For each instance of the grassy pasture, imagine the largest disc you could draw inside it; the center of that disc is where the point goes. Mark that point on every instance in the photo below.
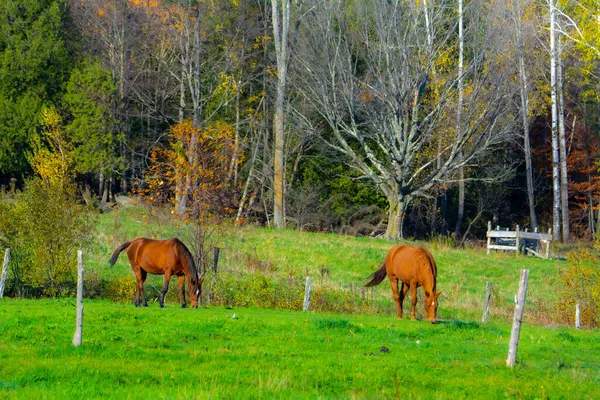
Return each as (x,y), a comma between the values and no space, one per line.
(267,353)
(344,262)
(205,353)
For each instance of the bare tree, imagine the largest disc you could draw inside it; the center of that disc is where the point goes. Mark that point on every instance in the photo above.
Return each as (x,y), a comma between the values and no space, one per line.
(367,71)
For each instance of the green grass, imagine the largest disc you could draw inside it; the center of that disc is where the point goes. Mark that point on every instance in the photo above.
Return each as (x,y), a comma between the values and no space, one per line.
(265,353)
(205,353)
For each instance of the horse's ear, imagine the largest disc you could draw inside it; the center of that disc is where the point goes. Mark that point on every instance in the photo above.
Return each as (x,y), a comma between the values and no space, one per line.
(438,294)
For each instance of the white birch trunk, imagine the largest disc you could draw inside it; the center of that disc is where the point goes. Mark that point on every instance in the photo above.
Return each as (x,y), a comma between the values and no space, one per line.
(562,143)
(556,208)
(461,170)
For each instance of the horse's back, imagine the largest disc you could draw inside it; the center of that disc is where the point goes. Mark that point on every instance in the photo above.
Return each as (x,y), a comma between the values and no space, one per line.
(154,256)
(408,263)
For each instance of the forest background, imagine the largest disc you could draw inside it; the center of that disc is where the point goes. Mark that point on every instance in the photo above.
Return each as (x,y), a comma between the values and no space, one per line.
(397,118)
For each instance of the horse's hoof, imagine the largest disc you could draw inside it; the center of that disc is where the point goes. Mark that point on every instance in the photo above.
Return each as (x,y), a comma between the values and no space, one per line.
(184,306)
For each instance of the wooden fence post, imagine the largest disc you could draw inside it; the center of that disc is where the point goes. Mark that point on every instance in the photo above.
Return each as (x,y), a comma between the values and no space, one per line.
(79,321)
(4,272)
(216,259)
(517,319)
(489,239)
(306,295)
(486,307)
(548,244)
(577,317)
(517,240)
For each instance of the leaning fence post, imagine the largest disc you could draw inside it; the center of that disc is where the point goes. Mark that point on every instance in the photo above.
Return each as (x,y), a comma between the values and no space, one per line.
(486,307)
(79,321)
(4,272)
(577,317)
(517,319)
(306,295)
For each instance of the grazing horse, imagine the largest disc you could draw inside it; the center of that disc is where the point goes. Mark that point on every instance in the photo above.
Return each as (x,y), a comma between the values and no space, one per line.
(414,267)
(162,257)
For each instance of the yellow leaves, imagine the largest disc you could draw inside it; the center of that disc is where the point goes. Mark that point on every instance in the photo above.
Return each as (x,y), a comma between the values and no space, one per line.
(53,157)
(199,159)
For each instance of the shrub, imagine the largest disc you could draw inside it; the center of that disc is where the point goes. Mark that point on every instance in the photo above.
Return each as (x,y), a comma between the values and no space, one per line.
(121,289)
(44,226)
(580,284)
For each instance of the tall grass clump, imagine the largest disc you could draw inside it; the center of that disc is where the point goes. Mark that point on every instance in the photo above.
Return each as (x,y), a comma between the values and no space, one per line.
(580,284)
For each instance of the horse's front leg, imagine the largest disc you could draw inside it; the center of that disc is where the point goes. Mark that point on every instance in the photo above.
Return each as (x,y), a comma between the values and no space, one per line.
(398,301)
(181,281)
(413,295)
(403,290)
(165,289)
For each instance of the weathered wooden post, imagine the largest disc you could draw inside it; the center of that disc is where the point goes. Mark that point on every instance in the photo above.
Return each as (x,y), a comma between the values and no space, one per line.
(517,319)
(79,321)
(517,240)
(4,272)
(216,259)
(486,307)
(577,317)
(306,295)
(489,238)
(548,244)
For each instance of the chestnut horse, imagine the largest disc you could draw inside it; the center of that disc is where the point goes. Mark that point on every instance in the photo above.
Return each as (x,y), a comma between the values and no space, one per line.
(414,267)
(162,257)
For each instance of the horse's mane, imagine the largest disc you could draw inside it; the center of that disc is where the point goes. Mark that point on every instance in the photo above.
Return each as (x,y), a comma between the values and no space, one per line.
(424,257)
(187,256)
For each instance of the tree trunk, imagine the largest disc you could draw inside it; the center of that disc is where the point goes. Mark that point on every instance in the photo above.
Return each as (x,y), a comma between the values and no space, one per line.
(525,119)
(396,213)
(461,170)
(179,207)
(280,34)
(556,209)
(562,140)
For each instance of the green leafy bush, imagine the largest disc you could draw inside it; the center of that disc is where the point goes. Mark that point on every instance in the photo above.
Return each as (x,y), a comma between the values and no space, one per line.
(45,226)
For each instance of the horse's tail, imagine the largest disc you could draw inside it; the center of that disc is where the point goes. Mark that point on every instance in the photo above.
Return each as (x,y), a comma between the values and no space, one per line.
(378,276)
(118,251)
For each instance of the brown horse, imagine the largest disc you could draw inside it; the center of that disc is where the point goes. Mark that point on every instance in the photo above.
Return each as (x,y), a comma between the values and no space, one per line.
(414,267)
(162,257)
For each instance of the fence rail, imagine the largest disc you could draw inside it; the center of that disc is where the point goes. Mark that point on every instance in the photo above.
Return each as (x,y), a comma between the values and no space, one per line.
(535,243)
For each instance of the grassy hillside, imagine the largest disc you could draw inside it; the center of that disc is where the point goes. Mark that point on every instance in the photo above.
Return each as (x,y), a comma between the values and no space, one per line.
(339,265)
(205,353)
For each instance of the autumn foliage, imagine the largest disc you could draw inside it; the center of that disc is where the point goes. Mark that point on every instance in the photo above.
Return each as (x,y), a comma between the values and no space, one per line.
(198,163)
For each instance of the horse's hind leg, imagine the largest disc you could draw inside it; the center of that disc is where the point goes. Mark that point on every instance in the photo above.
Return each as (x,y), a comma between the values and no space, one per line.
(140,276)
(144,276)
(181,281)
(403,291)
(397,299)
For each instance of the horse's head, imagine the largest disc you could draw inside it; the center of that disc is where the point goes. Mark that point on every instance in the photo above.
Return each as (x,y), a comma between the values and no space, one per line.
(196,290)
(431,305)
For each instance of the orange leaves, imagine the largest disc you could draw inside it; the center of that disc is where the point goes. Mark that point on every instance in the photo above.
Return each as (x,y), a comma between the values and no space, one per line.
(198,163)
